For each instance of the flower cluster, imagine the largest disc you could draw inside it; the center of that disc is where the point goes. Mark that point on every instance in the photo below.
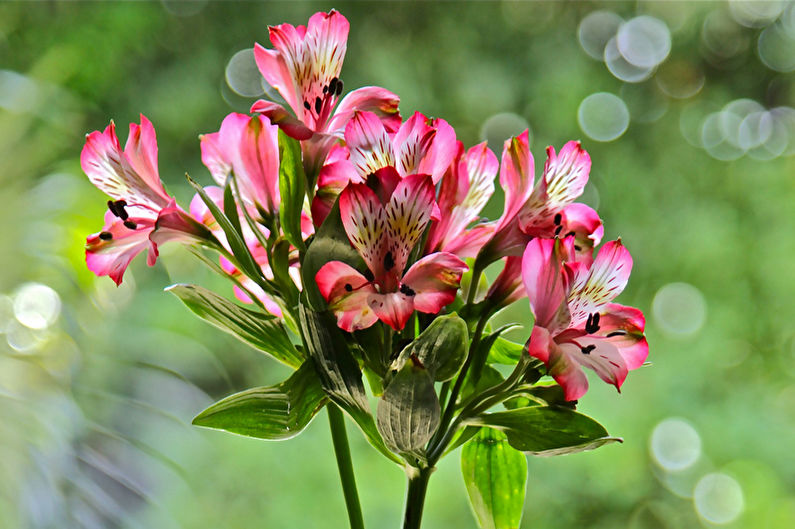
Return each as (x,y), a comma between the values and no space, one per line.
(337,205)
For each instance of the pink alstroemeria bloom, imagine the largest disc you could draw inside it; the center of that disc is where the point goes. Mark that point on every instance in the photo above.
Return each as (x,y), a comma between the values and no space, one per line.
(304,67)
(384,234)
(545,209)
(576,325)
(465,189)
(420,146)
(247,146)
(141,214)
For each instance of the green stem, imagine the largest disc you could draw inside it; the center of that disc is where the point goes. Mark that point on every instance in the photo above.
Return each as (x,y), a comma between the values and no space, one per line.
(477,270)
(345,466)
(415,495)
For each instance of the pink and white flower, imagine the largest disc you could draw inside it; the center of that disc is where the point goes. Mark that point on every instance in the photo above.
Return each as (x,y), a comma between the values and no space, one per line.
(247,147)
(576,323)
(545,209)
(304,67)
(141,215)
(384,234)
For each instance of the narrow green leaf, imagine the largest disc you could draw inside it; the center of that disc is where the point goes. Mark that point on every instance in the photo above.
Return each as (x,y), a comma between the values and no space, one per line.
(409,411)
(274,413)
(547,431)
(339,372)
(292,187)
(239,249)
(441,348)
(329,244)
(261,331)
(504,351)
(230,207)
(495,476)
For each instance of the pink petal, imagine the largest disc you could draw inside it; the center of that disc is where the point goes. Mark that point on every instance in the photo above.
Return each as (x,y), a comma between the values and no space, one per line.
(111,171)
(602,357)
(604,281)
(623,327)
(587,227)
(173,224)
(424,146)
(566,173)
(274,69)
(507,288)
(368,143)
(568,373)
(377,100)
(540,344)
(331,181)
(213,158)
(470,242)
(434,280)
(394,308)
(347,293)
(407,215)
(200,211)
(516,176)
(111,257)
(277,115)
(545,282)
(141,151)
(364,220)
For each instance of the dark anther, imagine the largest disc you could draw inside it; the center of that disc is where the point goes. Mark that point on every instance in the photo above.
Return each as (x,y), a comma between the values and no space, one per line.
(407,290)
(592,325)
(616,333)
(557,230)
(389,261)
(587,349)
(307,105)
(120,211)
(130,224)
(348,287)
(112,208)
(332,86)
(339,88)
(325,89)
(570,234)
(318,105)
(558,218)
(368,275)
(578,248)
(105,235)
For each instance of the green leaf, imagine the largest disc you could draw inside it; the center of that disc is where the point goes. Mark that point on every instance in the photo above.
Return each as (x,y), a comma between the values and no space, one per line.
(547,431)
(409,411)
(441,347)
(495,476)
(292,187)
(230,207)
(246,262)
(274,413)
(329,244)
(339,372)
(259,330)
(504,351)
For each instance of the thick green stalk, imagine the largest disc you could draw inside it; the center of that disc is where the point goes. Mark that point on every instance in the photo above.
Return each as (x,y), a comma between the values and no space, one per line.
(345,466)
(415,495)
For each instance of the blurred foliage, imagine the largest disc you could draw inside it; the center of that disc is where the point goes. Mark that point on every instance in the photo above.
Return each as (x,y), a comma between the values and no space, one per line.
(96,408)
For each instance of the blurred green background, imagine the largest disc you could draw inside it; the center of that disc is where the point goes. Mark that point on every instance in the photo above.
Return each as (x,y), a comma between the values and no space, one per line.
(687,112)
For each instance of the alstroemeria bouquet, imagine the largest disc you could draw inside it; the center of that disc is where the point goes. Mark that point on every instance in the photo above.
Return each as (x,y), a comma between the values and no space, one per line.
(355,247)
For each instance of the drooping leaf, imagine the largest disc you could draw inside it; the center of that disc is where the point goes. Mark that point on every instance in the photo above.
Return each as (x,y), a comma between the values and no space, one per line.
(504,351)
(259,330)
(339,372)
(329,244)
(547,431)
(274,413)
(292,187)
(233,236)
(441,348)
(495,476)
(230,207)
(409,411)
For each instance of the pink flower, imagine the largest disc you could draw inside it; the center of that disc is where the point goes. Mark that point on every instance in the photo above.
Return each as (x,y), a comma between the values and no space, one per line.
(304,67)
(576,325)
(420,146)
(545,209)
(141,215)
(384,234)
(249,148)
(465,189)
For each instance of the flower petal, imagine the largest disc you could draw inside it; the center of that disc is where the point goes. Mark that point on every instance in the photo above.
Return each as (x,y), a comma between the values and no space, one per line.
(272,66)
(393,308)
(601,356)
(347,293)
(364,220)
(109,252)
(585,224)
(213,157)
(407,214)
(623,327)
(369,144)
(375,99)
(111,171)
(566,173)
(141,151)
(434,281)
(605,280)
(425,146)
(546,282)
(277,115)
(516,176)
(507,288)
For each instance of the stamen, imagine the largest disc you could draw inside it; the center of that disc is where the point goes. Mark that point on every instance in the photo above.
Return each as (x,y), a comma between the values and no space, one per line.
(368,275)
(587,349)
(307,105)
(105,235)
(318,105)
(339,88)
(332,86)
(617,333)
(407,290)
(592,325)
(558,218)
(112,208)
(130,224)
(557,230)
(578,248)
(348,287)
(325,89)
(389,261)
